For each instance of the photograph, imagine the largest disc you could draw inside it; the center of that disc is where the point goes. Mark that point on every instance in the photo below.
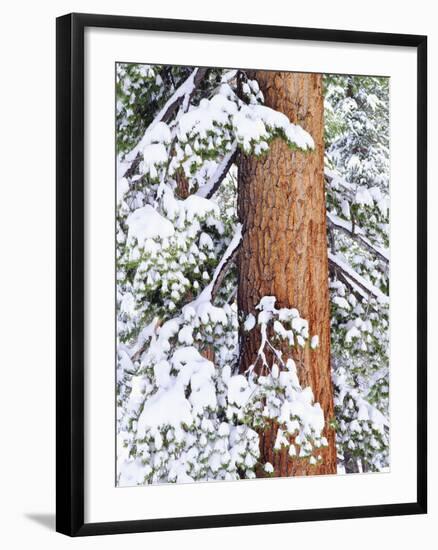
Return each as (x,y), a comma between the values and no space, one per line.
(216,309)
(252,259)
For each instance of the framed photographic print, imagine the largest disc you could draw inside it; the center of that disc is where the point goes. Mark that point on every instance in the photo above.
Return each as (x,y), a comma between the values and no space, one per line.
(241,274)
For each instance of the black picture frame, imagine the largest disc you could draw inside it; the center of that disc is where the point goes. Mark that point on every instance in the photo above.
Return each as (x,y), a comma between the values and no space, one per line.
(70,273)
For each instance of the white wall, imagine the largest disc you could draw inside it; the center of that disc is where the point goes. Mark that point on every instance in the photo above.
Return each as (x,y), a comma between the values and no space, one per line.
(27,303)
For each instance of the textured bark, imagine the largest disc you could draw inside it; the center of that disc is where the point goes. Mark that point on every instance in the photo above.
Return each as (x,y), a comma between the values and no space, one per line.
(182,186)
(281,203)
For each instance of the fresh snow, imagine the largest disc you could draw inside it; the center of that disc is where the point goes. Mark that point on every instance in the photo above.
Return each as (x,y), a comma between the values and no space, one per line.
(146,223)
(184,90)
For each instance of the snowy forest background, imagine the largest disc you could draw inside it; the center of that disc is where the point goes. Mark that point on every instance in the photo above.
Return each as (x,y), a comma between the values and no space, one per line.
(185,409)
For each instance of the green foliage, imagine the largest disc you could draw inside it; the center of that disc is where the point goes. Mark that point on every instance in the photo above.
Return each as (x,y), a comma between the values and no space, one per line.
(357,160)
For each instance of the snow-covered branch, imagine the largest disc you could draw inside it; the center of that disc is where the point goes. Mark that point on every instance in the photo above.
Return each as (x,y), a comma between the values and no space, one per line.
(347,187)
(224,270)
(357,234)
(210,188)
(181,95)
(207,296)
(356,282)
(210,291)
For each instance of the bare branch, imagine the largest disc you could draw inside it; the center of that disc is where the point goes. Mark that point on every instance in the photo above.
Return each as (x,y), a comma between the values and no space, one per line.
(210,188)
(357,234)
(355,282)
(223,272)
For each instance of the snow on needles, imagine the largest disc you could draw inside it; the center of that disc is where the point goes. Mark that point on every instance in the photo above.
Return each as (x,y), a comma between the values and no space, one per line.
(146,223)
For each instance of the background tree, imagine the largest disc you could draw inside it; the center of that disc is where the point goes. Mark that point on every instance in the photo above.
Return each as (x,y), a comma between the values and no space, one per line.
(357,173)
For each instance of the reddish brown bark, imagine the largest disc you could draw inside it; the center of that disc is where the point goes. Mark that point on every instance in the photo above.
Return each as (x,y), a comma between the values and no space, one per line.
(281,203)
(182,186)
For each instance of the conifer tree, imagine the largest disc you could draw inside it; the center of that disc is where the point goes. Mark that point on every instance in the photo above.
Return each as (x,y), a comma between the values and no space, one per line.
(282,207)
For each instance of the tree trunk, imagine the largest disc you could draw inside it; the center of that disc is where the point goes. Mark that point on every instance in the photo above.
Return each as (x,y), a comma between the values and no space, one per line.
(281,204)
(351,463)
